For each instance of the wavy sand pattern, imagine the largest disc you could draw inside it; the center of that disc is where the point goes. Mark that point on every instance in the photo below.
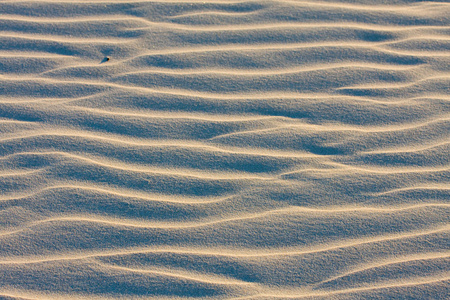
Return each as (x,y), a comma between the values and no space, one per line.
(227,150)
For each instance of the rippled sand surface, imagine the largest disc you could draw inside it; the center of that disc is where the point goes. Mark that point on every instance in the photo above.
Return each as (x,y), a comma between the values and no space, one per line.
(226,150)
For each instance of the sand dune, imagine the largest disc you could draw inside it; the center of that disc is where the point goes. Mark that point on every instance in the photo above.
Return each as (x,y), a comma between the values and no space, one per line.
(226,150)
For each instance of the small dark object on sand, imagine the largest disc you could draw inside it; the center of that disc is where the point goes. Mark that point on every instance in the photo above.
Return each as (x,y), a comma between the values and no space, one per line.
(105,59)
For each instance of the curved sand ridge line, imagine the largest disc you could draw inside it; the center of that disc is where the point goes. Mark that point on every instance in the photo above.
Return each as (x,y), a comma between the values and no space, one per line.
(301,294)
(327,165)
(126,193)
(214,28)
(14,173)
(236,253)
(124,140)
(284,25)
(439,144)
(10,54)
(399,85)
(382,7)
(209,278)
(269,122)
(223,72)
(74,19)
(114,164)
(122,143)
(154,197)
(393,262)
(267,96)
(259,72)
(443,187)
(118,222)
(273,122)
(378,46)
(16,122)
(334,127)
(104,85)
(343,169)
(267,293)
(203,94)
(171,25)
(229,72)
(62,39)
(337,4)
(177,115)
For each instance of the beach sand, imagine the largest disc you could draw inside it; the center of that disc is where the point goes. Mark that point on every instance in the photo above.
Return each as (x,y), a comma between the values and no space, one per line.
(224,149)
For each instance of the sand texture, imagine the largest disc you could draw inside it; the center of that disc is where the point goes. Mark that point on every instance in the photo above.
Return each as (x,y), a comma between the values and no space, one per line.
(226,150)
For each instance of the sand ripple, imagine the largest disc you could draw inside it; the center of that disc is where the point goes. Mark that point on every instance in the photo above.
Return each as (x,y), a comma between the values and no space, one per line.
(244,150)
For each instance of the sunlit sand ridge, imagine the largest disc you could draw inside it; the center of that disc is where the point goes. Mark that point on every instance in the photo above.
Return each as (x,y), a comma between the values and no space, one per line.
(224,149)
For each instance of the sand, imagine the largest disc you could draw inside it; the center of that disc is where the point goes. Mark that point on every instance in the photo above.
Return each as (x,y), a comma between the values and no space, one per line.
(225,150)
